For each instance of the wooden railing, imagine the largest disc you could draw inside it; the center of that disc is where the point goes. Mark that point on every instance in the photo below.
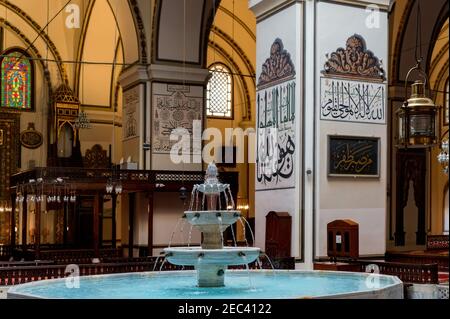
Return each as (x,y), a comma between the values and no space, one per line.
(19,275)
(5,252)
(441,261)
(408,273)
(26,263)
(98,174)
(78,255)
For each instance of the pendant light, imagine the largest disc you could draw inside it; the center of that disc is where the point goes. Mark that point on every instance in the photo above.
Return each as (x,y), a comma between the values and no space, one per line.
(417,116)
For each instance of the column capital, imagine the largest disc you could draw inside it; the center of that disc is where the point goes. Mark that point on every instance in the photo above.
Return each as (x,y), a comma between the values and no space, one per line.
(133,75)
(265,8)
(164,72)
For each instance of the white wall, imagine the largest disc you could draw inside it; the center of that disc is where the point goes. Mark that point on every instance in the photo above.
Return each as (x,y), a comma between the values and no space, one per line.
(286,26)
(360,199)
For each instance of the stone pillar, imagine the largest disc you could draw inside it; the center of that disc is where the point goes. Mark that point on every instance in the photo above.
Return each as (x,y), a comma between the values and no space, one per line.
(177,93)
(309,107)
(279,116)
(135,118)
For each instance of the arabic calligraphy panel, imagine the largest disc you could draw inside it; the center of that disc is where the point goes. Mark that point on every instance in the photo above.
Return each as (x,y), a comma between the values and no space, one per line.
(353,156)
(174,107)
(352,101)
(275,161)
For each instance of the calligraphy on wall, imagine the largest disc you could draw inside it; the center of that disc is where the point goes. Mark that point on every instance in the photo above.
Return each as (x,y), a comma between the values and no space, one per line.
(175,109)
(131,113)
(275,161)
(353,87)
(353,156)
(30,138)
(352,101)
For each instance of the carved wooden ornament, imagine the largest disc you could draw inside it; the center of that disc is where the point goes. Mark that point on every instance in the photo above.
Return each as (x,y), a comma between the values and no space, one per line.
(278,67)
(355,61)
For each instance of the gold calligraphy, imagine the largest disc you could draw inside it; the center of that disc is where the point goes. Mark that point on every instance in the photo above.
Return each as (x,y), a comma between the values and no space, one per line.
(353,156)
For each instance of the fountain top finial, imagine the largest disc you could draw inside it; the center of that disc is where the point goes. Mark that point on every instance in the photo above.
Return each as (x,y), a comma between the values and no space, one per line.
(211,174)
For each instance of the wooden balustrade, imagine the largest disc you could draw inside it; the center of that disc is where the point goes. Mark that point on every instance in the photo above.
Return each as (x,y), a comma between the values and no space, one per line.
(408,273)
(6,252)
(20,275)
(441,260)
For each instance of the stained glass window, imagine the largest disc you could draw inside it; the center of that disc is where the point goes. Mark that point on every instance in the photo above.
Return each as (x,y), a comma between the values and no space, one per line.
(219,92)
(16,86)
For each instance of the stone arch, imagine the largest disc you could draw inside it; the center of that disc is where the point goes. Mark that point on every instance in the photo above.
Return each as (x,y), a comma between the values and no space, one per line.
(170,34)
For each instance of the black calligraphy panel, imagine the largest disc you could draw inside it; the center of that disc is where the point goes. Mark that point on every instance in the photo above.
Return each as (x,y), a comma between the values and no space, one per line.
(353,156)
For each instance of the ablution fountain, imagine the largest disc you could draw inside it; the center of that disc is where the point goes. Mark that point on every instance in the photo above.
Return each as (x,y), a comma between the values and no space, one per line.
(214,213)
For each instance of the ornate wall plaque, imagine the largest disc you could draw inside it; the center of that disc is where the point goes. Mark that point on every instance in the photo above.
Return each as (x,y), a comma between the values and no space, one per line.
(275,104)
(278,67)
(131,113)
(353,87)
(355,61)
(175,107)
(30,138)
(353,156)
(352,101)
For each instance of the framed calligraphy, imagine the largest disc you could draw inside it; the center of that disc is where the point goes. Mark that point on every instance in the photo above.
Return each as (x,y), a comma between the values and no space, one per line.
(352,101)
(352,156)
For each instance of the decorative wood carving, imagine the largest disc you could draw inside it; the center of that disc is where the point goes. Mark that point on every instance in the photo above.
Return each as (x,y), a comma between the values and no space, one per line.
(96,157)
(9,150)
(355,61)
(30,138)
(411,166)
(278,67)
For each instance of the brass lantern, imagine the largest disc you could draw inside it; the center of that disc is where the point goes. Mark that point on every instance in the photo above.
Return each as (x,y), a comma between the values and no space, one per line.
(417,119)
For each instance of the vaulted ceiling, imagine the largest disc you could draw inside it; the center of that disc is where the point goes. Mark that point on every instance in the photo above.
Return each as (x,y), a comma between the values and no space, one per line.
(112,35)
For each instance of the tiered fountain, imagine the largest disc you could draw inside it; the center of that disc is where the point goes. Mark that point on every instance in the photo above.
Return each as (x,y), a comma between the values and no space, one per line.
(207,214)
(212,212)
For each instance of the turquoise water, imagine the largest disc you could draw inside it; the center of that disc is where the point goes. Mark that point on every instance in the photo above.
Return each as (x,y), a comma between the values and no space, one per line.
(182,285)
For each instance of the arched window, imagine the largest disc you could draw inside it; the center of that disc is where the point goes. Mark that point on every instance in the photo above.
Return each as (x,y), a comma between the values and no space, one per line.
(16,81)
(219,92)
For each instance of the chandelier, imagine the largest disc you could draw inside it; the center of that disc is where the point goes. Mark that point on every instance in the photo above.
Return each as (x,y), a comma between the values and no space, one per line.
(82,121)
(443,156)
(114,183)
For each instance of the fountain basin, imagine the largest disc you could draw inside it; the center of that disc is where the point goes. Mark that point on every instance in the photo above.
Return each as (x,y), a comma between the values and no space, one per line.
(195,256)
(212,188)
(260,284)
(215,218)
